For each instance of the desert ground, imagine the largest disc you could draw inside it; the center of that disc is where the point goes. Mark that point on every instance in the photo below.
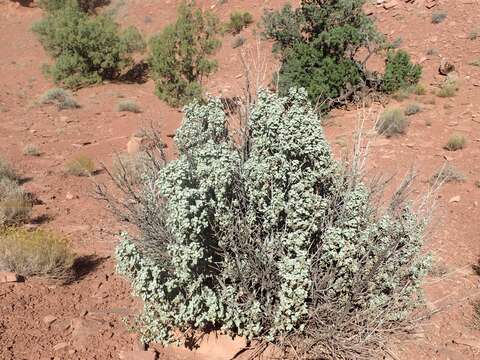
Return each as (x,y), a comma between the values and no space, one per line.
(41,319)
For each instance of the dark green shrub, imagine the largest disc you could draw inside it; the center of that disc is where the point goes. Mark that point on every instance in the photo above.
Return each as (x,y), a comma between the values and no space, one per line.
(179,55)
(86,49)
(238,21)
(87,6)
(400,72)
(321,44)
(271,238)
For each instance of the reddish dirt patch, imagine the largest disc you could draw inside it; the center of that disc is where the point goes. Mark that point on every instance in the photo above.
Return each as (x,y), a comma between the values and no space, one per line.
(89,311)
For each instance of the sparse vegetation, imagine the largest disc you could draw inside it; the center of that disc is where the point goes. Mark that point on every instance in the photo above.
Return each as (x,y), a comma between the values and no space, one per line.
(129,106)
(239,20)
(392,122)
(473,35)
(447,173)
(81,165)
(296,250)
(412,109)
(86,49)
(7,171)
(179,57)
(238,41)
(420,90)
(31,150)
(15,203)
(129,168)
(475,63)
(320,45)
(402,94)
(438,17)
(449,88)
(61,98)
(455,142)
(35,252)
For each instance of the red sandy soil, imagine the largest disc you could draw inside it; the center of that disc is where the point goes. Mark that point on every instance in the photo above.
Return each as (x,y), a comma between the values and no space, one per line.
(89,312)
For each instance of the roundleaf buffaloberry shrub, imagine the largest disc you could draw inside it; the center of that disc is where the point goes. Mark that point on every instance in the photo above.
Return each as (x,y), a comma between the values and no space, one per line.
(86,49)
(321,45)
(179,55)
(269,238)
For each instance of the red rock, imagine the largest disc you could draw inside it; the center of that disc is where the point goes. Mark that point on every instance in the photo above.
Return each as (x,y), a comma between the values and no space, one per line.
(6,277)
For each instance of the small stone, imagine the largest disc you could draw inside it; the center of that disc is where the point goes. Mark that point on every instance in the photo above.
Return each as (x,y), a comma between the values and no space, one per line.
(6,277)
(49,319)
(60,346)
(69,196)
(455,199)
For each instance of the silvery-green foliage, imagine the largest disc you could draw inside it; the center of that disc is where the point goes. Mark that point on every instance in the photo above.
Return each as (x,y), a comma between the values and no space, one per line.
(263,238)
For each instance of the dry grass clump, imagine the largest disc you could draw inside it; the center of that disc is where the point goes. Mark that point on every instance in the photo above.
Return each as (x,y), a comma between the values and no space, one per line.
(438,17)
(420,89)
(61,98)
(412,109)
(81,165)
(392,122)
(31,150)
(475,62)
(448,89)
(402,94)
(15,203)
(6,171)
(455,142)
(35,252)
(128,168)
(448,173)
(129,106)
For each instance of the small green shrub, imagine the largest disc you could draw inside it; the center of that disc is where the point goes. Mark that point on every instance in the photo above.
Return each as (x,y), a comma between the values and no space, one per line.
(412,109)
(455,142)
(31,150)
(61,98)
(447,174)
(81,165)
(239,20)
(6,171)
(238,41)
(449,88)
(438,17)
(179,55)
(86,49)
(473,35)
(392,122)
(271,239)
(15,204)
(36,252)
(420,90)
(87,6)
(400,72)
(129,106)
